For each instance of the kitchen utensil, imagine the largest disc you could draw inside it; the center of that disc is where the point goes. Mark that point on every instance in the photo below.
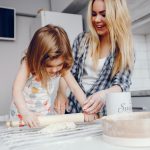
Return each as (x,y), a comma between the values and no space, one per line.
(118,102)
(46,120)
(128,129)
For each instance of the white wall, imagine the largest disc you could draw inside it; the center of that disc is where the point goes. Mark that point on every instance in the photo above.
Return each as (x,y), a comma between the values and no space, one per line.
(141,74)
(26,6)
(10,55)
(148,50)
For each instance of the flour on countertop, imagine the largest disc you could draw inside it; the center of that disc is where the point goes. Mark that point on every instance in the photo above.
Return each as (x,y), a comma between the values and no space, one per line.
(54,127)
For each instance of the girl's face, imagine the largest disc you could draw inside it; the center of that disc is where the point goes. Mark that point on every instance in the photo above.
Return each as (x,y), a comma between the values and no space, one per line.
(98,17)
(53,67)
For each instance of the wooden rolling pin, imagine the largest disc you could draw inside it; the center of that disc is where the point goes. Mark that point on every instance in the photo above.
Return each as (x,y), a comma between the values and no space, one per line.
(46,120)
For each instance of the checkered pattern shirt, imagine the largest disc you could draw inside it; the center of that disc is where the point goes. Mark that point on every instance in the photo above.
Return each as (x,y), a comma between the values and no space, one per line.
(104,81)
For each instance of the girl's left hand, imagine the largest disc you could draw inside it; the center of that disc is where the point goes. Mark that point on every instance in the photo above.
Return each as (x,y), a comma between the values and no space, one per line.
(94,103)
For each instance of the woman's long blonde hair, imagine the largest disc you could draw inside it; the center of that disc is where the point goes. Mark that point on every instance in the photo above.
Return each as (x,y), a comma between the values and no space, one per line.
(119,25)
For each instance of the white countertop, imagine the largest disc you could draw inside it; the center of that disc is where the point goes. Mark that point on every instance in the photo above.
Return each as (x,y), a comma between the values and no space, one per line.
(84,143)
(89,143)
(77,143)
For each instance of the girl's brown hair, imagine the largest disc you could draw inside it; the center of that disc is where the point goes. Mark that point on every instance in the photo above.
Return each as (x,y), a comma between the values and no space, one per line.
(48,43)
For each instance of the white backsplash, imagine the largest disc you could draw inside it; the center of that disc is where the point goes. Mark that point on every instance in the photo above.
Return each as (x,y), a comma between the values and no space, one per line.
(148,48)
(141,73)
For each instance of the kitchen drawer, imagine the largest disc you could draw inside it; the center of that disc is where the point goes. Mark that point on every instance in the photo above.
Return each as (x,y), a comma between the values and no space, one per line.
(141,103)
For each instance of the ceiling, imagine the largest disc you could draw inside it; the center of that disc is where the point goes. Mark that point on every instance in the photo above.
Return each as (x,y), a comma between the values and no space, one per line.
(145,29)
(140,13)
(76,6)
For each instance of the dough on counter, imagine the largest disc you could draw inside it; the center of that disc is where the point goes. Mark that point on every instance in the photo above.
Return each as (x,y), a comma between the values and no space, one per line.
(54,127)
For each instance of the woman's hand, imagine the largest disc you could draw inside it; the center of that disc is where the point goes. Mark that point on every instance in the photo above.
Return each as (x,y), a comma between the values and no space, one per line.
(94,103)
(90,117)
(60,104)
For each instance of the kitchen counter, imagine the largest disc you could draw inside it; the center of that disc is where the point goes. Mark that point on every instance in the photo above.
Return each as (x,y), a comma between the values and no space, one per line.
(81,143)
(88,142)
(83,140)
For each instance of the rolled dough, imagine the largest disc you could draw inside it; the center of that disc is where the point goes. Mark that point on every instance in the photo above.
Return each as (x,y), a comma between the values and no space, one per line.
(54,127)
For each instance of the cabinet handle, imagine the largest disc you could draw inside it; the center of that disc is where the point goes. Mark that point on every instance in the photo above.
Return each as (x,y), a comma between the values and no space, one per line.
(139,108)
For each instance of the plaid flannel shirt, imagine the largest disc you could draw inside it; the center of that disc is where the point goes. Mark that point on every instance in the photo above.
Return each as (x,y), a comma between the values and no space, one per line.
(104,81)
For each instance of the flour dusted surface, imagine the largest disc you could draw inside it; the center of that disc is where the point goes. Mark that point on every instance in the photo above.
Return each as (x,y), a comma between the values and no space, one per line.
(54,127)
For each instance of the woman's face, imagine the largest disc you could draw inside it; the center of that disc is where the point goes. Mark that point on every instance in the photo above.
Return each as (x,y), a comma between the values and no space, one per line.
(98,17)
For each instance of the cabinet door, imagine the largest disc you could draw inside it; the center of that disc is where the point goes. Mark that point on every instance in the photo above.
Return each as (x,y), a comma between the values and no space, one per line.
(141,103)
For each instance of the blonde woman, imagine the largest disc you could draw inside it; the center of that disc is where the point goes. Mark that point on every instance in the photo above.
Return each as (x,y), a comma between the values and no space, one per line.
(103,57)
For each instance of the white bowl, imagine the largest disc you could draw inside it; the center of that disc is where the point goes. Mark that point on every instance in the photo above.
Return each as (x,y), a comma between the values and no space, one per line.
(128,129)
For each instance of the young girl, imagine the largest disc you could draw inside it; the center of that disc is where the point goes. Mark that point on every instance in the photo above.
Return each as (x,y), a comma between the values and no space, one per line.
(48,58)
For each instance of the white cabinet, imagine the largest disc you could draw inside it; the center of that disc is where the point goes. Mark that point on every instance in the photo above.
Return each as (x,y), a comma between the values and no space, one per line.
(70,22)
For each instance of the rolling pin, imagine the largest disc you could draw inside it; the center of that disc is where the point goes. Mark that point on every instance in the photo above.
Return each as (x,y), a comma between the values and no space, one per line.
(46,120)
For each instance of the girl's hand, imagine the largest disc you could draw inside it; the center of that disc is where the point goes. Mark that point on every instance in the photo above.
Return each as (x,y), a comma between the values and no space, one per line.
(60,104)
(31,119)
(94,103)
